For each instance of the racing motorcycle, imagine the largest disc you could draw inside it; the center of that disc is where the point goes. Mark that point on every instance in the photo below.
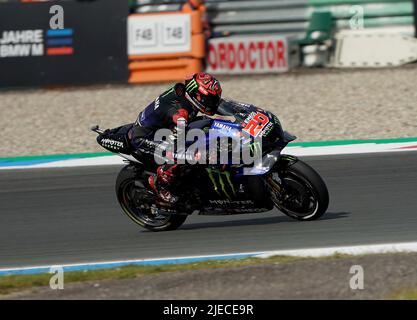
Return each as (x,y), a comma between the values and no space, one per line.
(283,181)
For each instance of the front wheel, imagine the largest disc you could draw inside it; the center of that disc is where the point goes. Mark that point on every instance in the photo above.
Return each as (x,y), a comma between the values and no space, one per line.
(299,192)
(136,202)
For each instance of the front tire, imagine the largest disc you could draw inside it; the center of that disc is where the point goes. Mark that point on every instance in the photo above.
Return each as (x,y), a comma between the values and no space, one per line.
(302,194)
(136,202)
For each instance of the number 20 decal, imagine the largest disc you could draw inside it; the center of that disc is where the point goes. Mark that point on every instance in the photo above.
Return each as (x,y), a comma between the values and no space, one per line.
(256,125)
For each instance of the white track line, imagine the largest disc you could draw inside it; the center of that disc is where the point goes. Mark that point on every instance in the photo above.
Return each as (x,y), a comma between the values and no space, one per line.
(361,148)
(351,250)
(309,252)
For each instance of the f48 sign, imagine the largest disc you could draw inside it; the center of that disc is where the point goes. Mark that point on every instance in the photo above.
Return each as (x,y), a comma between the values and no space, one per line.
(267,54)
(155,34)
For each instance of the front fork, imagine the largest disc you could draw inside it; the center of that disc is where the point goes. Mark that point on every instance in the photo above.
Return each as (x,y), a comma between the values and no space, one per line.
(274,183)
(275,187)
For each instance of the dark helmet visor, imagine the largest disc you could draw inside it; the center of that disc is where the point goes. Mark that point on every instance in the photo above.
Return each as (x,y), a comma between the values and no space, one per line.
(210,103)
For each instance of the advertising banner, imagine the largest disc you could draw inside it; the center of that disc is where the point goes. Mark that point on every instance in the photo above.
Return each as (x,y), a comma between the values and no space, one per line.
(247,55)
(156,34)
(63,42)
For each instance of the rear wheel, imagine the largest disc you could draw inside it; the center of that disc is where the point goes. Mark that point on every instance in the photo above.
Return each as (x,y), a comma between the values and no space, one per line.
(299,192)
(137,203)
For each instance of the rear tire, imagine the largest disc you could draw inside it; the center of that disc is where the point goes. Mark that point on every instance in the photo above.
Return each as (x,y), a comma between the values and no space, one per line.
(141,213)
(306,185)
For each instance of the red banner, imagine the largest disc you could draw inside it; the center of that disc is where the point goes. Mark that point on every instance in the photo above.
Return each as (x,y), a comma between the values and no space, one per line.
(267,54)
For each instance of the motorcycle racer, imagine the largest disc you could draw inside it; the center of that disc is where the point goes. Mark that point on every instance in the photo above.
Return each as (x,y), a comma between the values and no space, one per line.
(174,109)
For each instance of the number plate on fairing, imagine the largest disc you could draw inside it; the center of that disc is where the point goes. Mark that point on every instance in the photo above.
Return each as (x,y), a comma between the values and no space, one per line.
(255,123)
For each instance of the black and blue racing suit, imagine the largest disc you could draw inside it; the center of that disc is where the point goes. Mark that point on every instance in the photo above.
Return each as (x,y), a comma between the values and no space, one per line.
(166,111)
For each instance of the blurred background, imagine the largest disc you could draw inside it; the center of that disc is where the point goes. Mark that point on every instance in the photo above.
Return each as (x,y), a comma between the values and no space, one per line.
(330,69)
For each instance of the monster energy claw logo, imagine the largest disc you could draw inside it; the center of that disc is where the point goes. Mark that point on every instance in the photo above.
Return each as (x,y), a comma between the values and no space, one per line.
(256,148)
(168,92)
(220,175)
(191,85)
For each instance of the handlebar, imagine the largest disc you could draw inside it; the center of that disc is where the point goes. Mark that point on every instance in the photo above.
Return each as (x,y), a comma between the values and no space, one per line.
(96,129)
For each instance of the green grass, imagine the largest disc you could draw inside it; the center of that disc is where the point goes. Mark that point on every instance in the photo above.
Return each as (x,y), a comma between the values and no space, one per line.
(404,294)
(9,284)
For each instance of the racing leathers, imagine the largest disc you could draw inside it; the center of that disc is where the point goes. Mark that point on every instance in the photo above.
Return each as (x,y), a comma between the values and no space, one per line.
(170,110)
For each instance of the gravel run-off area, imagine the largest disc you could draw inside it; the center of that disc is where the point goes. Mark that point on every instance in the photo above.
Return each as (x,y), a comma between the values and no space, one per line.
(313,105)
(384,276)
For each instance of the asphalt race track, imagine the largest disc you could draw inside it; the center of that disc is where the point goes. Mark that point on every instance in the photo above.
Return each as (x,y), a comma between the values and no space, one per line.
(58,216)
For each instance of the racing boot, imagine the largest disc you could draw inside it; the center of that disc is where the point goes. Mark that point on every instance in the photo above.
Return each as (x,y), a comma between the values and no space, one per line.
(161,182)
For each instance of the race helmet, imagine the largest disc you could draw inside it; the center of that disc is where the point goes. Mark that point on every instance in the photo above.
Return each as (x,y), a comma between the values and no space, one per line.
(204,92)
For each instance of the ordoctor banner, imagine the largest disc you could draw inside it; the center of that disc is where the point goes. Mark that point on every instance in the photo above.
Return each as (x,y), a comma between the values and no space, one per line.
(63,42)
(246,55)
